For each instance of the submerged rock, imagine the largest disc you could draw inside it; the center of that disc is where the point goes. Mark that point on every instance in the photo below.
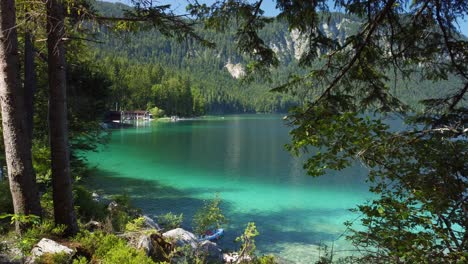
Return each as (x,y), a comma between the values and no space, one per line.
(182,237)
(48,246)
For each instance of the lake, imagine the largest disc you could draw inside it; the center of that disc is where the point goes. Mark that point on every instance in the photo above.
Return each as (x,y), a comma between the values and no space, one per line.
(175,166)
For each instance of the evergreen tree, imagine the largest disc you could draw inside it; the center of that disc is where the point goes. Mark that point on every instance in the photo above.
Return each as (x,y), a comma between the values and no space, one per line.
(64,211)
(15,131)
(420,174)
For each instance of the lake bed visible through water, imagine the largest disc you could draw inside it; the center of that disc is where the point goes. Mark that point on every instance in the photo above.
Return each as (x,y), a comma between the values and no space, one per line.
(175,166)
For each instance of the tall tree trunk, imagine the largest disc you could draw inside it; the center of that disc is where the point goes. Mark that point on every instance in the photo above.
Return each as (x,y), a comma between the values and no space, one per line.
(29,81)
(18,153)
(61,179)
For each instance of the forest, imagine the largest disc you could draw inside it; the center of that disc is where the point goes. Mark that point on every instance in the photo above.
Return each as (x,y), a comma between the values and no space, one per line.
(170,64)
(65,63)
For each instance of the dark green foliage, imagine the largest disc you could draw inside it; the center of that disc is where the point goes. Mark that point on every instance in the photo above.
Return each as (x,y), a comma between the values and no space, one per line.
(87,208)
(170,220)
(398,48)
(6,205)
(121,212)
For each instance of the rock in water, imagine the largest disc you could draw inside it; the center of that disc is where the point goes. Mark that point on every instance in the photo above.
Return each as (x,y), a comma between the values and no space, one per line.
(47,246)
(182,237)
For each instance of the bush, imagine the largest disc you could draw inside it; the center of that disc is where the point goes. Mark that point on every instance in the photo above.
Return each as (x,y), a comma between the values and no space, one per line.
(42,163)
(157,112)
(121,214)
(268,259)
(119,220)
(59,258)
(135,224)
(46,228)
(108,248)
(170,221)
(209,217)
(87,208)
(248,240)
(80,260)
(47,205)
(125,254)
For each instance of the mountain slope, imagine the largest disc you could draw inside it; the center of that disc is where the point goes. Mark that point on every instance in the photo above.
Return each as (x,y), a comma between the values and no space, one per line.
(214,74)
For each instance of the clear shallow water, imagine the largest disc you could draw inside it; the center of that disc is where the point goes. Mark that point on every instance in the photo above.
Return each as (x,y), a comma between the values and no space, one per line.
(174,167)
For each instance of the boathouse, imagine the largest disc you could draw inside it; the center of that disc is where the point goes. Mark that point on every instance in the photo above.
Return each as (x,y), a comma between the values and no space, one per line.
(120,116)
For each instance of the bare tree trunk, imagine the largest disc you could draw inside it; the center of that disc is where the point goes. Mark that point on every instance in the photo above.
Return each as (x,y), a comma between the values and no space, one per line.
(61,179)
(18,153)
(29,82)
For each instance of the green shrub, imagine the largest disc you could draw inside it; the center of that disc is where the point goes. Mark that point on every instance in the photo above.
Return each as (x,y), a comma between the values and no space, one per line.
(248,240)
(80,260)
(125,254)
(135,224)
(42,163)
(47,205)
(156,112)
(170,221)
(123,200)
(119,220)
(87,208)
(124,212)
(108,248)
(46,228)
(98,243)
(268,259)
(209,217)
(59,258)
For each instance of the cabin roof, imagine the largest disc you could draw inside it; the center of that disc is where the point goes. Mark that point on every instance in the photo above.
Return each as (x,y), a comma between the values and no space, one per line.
(138,112)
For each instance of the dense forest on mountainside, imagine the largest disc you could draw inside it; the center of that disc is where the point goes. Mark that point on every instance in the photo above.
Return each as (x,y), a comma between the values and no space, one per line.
(185,78)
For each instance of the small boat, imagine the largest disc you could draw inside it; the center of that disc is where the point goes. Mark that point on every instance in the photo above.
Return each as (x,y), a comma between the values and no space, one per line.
(213,235)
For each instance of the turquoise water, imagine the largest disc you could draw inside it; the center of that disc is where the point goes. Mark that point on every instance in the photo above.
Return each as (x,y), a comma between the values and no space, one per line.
(175,166)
